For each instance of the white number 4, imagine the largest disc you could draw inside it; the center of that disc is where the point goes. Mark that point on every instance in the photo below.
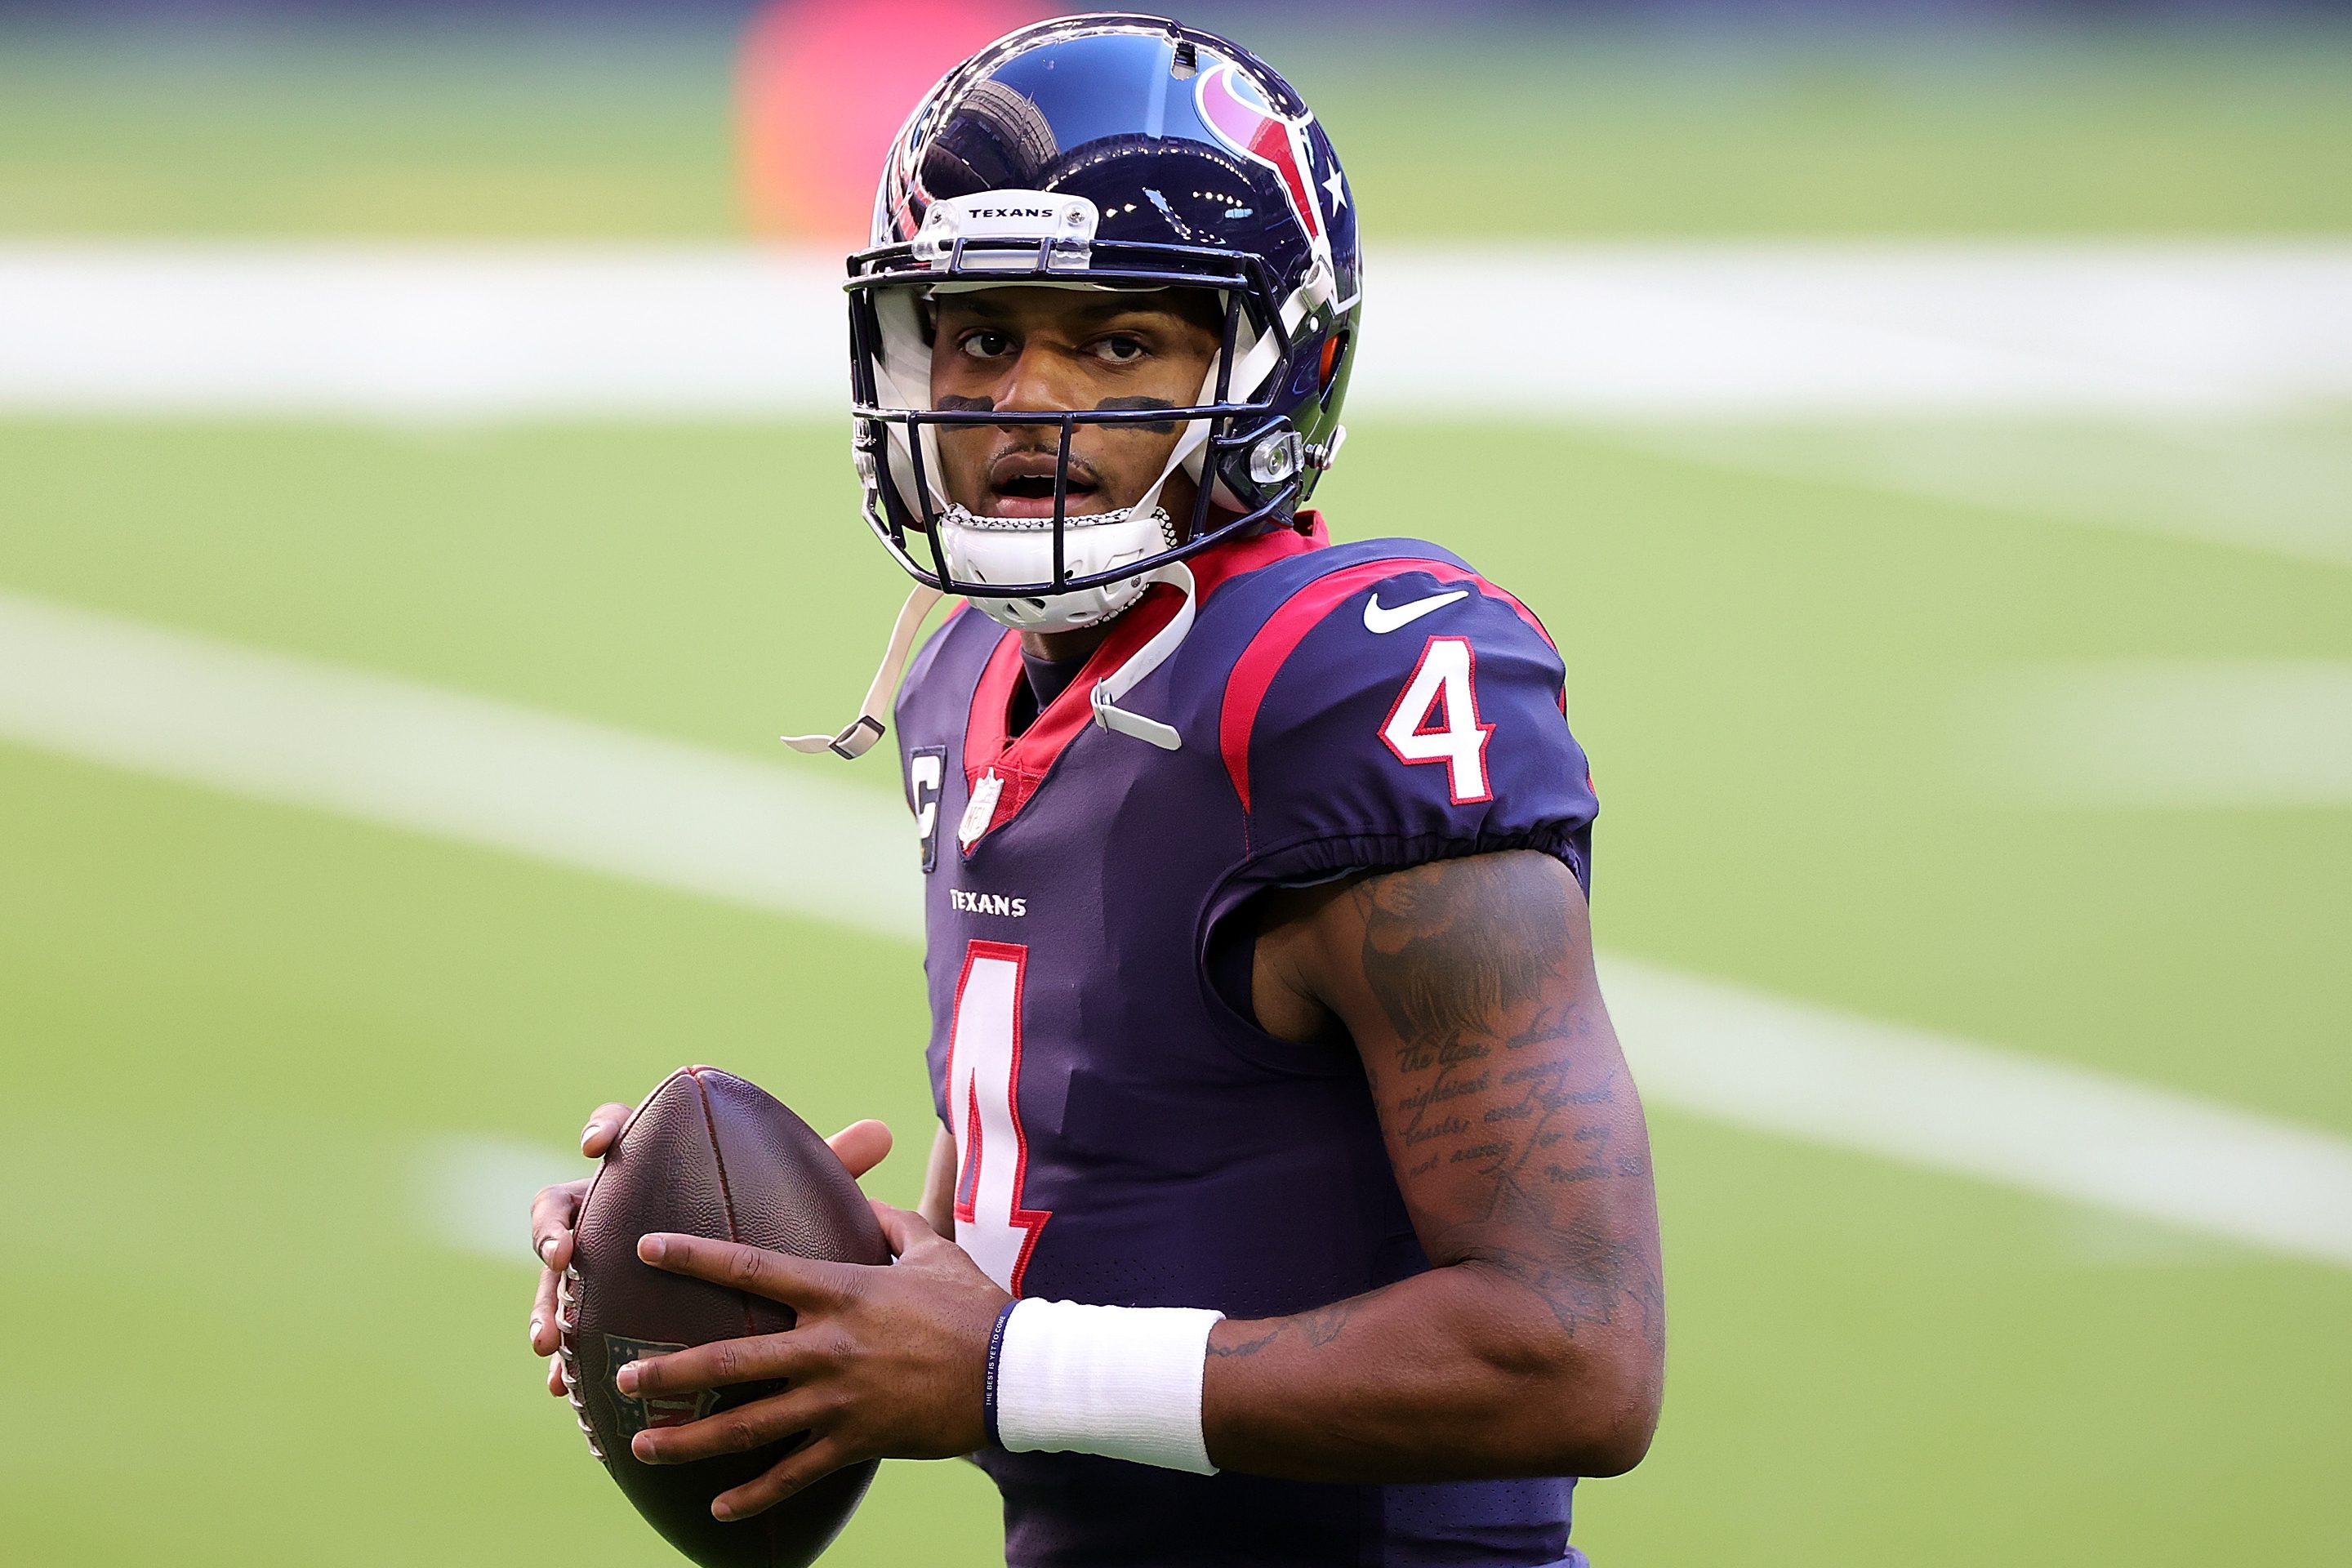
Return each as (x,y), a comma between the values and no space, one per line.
(983,1096)
(1436,719)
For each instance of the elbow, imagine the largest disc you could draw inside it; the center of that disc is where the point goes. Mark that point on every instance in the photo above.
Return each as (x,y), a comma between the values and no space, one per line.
(1586,1388)
(1619,1446)
(1603,1413)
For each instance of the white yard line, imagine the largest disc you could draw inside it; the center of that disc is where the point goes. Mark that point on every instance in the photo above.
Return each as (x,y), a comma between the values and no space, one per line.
(474,1194)
(2165,734)
(2283,488)
(1723,331)
(781,838)
(369,746)
(1945,1104)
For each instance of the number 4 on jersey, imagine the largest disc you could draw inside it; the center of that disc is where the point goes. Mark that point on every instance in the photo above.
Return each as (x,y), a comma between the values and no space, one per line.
(984,1094)
(1436,719)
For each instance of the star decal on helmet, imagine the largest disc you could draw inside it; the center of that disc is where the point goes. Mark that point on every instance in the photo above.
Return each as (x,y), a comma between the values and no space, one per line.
(1232,107)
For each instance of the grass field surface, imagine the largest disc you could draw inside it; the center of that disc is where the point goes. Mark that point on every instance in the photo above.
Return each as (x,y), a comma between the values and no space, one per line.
(246,1050)
(1445,130)
(281,1014)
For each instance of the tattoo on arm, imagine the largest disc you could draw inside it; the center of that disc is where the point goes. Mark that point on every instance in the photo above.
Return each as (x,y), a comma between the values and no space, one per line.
(1508,1097)
(1317,1328)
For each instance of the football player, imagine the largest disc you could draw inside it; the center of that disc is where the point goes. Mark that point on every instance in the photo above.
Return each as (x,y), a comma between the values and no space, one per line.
(1291,1202)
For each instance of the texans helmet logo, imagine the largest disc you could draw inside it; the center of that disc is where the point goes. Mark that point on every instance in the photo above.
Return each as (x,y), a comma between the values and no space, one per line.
(1232,107)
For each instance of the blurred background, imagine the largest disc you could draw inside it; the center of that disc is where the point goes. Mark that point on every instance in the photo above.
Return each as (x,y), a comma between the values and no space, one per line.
(1927,429)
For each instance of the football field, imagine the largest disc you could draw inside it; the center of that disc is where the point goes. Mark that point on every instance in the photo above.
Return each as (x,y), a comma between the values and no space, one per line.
(2029,731)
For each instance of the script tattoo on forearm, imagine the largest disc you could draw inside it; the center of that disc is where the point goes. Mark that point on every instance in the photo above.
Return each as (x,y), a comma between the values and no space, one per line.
(1499,1082)
(1317,1328)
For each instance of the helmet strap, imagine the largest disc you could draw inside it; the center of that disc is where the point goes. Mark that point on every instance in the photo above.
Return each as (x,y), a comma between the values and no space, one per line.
(858,738)
(1143,661)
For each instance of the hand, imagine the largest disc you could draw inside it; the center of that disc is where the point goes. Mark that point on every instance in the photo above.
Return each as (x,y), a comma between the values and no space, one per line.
(883,1362)
(860,1146)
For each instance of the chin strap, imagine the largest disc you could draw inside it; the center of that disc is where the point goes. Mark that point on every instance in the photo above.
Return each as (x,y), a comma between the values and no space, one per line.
(867,728)
(858,738)
(1147,658)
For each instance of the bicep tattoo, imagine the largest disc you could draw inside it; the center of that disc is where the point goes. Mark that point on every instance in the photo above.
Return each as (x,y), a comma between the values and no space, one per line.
(1517,1137)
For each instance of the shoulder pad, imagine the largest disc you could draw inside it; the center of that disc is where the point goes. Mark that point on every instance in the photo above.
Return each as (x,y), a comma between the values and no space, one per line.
(1379,616)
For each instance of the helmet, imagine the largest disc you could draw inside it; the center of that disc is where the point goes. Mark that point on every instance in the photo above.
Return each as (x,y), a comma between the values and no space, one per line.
(1107,151)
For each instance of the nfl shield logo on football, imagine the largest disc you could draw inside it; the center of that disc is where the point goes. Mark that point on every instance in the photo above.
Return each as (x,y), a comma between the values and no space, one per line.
(672,1410)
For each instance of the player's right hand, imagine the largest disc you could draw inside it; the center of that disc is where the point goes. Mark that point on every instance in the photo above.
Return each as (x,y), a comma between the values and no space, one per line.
(861,1146)
(553,1213)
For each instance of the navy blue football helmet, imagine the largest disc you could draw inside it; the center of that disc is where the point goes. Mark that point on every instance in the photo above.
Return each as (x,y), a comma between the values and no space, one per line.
(1116,152)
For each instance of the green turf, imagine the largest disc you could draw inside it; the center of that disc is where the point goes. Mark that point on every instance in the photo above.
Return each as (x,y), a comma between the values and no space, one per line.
(1542,132)
(1764,668)
(230,1030)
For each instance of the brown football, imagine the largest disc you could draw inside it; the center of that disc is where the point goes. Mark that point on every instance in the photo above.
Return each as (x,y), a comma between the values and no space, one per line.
(707,1154)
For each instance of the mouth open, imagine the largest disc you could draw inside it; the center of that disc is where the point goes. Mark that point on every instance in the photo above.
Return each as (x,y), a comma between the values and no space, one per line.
(1021,484)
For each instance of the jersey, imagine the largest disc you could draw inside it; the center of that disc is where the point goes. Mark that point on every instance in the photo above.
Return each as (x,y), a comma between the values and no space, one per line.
(1126,1135)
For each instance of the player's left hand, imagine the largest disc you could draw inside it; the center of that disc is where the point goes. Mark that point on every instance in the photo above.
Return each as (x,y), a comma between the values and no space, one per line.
(883,1363)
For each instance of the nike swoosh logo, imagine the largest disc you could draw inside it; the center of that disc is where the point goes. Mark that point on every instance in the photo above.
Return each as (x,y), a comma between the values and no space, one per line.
(1379,618)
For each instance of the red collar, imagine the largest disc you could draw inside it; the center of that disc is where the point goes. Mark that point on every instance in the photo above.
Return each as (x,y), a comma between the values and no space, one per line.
(1023,761)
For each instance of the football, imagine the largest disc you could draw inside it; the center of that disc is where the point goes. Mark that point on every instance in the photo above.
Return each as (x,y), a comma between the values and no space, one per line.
(707,1154)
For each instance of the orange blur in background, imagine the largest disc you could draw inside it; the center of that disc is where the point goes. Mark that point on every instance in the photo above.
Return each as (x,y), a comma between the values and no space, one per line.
(823,86)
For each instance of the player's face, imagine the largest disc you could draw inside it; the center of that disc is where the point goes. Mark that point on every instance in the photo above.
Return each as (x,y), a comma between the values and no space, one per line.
(1062,351)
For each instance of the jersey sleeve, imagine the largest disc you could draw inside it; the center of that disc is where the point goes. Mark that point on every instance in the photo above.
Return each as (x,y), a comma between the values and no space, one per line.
(1400,712)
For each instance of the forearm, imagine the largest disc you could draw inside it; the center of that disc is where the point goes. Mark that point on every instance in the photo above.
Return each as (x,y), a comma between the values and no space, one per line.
(1537,1345)
(1462,1371)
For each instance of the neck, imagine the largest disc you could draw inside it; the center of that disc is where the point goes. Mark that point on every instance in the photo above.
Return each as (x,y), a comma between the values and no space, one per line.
(1061,647)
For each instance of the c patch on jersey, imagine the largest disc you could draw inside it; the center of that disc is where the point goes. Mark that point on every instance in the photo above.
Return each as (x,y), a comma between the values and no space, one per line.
(927,767)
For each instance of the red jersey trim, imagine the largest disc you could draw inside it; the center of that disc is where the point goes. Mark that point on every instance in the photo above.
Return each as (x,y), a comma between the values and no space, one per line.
(1278,638)
(1024,762)
(1030,1222)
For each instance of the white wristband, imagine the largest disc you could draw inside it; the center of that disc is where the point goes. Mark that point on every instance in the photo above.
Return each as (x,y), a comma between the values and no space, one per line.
(1122,1382)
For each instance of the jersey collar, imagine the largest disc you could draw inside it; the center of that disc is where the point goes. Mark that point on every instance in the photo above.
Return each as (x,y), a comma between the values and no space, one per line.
(1020,762)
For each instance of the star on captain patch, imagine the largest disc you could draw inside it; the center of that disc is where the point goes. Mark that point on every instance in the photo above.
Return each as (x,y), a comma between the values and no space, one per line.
(1338,188)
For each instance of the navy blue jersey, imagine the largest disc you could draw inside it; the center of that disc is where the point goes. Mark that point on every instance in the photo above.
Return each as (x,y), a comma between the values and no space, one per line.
(1126,1134)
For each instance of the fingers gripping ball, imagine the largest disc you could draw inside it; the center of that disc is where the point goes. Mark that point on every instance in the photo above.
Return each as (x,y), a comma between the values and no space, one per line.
(706,1155)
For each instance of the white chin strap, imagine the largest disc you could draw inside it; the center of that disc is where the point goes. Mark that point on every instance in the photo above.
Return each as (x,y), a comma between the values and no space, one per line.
(858,737)
(1144,660)
(856,740)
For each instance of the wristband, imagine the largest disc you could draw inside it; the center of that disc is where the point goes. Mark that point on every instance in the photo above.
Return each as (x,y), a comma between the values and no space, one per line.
(995,1357)
(1120,1381)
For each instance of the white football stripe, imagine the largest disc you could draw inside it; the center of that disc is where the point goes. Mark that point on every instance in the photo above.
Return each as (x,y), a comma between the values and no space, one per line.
(2283,488)
(1715,332)
(2166,734)
(1929,1101)
(474,1194)
(780,838)
(518,779)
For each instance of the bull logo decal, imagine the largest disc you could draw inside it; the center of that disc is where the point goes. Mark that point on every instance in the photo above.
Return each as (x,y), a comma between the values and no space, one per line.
(1232,107)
